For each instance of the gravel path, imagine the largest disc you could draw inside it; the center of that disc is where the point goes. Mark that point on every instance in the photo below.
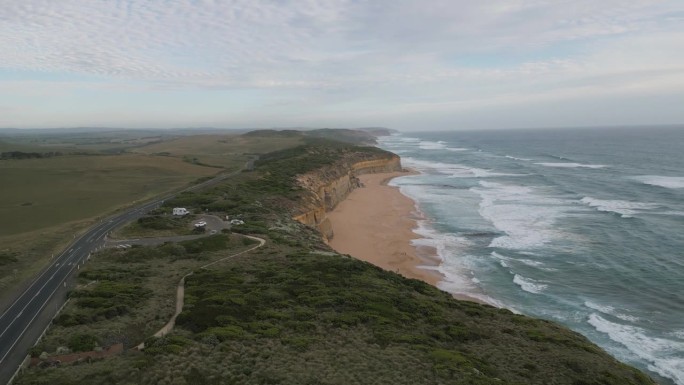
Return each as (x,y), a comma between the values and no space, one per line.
(180,290)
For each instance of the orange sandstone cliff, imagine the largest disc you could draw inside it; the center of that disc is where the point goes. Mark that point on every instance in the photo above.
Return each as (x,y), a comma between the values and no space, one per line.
(331,185)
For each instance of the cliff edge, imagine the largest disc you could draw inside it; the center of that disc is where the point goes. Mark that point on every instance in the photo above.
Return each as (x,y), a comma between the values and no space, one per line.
(332,184)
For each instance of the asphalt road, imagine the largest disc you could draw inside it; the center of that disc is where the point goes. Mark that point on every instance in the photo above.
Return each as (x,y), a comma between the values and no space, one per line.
(24,320)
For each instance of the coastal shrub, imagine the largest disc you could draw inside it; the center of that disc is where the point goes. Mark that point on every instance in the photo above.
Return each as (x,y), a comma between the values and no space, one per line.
(169,344)
(7,257)
(113,274)
(189,199)
(138,254)
(302,302)
(162,222)
(206,244)
(106,300)
(82,342)
(251,228)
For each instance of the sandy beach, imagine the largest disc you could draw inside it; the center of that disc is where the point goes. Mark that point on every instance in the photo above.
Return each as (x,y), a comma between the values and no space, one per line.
(375,224)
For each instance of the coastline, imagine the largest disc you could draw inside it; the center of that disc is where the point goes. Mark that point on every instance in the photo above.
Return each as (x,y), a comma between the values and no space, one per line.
(375,224)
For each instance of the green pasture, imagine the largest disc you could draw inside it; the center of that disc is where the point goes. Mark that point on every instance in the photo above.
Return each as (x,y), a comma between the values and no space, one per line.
(228,151)
(39,193)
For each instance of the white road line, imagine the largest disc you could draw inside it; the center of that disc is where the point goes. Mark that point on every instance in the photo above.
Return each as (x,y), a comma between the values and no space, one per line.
(55,263)
(31,300)
(31,321)
(58,264)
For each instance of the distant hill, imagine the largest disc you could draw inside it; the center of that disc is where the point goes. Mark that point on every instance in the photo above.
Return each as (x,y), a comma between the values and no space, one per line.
(362,136)
(378,131)
(271,133)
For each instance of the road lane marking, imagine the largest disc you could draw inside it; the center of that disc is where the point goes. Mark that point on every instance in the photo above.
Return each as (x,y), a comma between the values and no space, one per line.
(34,317)
(55,263)
(113,223)
(31,300)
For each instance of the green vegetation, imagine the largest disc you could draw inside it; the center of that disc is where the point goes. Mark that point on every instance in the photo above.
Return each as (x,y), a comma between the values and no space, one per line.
(302,304)
(69,188)
(51,198)
(337,134)
(152,226)
(302,318)
(82,141)
(7,257)
(271,191)
(227,151)
(28,155)
(293,311)
(127,295)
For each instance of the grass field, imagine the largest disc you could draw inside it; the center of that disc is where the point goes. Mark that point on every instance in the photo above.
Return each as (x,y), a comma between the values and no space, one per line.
(102,141)
(45,192)
(45,202)
(229,151)
(40,193)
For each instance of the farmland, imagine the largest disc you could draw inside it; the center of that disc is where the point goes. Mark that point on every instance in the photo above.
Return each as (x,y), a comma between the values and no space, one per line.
(227,151)
(60,184)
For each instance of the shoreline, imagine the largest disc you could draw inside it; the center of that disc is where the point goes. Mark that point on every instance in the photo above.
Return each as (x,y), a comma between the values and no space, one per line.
(376,224)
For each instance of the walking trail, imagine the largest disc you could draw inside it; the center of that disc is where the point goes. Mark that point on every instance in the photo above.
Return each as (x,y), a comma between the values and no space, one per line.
(180,290)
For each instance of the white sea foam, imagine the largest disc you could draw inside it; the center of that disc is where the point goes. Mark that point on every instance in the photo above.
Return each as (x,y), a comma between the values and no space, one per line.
(527,262)
(398,140)
(409,139)
(602,308)
(571,165)
(610,310)
(625,208)
(530,262)
(678,334)
(524,214)
(672,212)
(515,158)
(443,243)
(502,260)
(454,170)
(428,145)
(456,266)
(456,149)
(664,356)
(673,182)
(529,285)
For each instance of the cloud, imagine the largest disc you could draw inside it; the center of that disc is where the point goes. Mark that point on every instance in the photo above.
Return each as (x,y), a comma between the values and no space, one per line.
(389,54)
(242,42)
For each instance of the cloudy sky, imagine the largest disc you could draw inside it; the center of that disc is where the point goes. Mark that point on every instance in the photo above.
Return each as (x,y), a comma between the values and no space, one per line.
(411,65)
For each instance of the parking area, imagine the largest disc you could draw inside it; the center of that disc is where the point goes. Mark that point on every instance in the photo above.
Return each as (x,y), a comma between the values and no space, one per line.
(211,223)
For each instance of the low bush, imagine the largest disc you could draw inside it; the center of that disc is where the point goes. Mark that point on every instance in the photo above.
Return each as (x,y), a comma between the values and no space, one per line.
(83,342)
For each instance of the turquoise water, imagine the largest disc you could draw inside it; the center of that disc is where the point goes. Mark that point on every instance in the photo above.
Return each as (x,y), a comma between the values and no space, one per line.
(580,226)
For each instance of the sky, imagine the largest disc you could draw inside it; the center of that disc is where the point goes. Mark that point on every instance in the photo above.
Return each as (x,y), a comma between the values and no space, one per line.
(409,65)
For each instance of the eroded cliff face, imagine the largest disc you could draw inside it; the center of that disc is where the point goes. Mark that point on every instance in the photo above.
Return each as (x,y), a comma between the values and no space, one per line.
(331,185)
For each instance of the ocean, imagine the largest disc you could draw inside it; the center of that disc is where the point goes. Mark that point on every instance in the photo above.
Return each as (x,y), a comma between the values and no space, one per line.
(584,227)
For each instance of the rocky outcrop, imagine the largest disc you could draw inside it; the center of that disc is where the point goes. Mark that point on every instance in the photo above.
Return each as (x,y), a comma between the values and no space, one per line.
(331,185)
